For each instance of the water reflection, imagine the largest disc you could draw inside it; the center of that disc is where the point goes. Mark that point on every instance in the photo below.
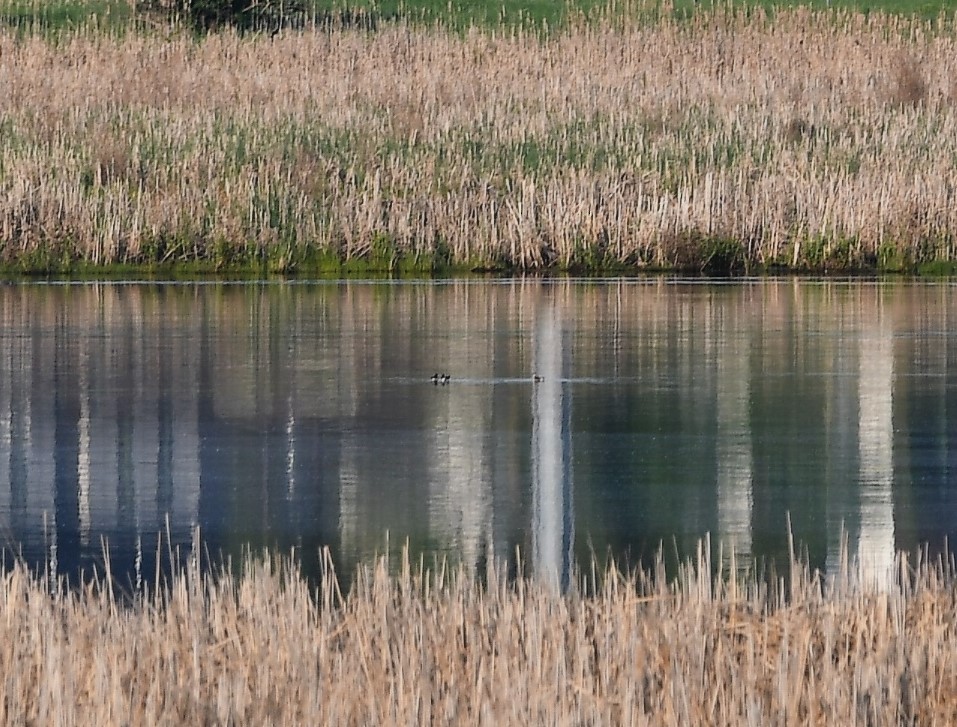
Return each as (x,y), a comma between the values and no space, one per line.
(875,543)
(552,515)
(732,430)
(303,415)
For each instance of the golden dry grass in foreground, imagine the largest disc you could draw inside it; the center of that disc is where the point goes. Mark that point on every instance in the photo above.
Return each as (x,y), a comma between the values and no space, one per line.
(809,140)
(427,648)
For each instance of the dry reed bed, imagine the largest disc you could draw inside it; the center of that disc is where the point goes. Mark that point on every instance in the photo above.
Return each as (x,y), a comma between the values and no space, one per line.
(806,140)
(438,648)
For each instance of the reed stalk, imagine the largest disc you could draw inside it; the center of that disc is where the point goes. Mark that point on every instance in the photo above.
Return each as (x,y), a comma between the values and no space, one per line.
(420,646)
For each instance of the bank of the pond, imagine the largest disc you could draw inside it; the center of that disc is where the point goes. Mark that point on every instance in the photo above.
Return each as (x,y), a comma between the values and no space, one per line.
(701,260)
(414,647)
(726,142)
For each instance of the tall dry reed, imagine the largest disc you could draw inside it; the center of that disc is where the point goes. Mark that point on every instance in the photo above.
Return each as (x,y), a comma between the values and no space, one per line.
(809,139)
(436,647)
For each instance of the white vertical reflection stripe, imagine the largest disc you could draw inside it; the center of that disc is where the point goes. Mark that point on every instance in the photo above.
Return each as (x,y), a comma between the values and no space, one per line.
(733,448)
(290,448)
(550,461)
(7,384)
(83,456)
(875,547)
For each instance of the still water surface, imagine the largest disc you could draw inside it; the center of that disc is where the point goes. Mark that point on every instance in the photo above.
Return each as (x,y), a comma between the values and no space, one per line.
(303,415)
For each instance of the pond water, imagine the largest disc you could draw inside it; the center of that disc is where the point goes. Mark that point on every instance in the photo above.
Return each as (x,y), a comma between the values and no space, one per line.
(304,415)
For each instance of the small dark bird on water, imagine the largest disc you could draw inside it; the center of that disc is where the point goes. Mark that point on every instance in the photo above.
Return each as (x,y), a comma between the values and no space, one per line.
(538,379)
(446,378)
(434,378)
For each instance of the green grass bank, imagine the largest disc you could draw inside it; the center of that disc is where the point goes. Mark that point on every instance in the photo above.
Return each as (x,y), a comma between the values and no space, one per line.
(623,139)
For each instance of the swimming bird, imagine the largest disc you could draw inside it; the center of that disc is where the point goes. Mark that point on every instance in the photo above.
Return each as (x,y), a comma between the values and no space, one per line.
(446,378)
(434,378)
(538,379)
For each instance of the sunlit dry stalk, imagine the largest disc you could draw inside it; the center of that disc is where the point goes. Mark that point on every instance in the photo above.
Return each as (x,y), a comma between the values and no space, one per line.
(422,647)
(814,139)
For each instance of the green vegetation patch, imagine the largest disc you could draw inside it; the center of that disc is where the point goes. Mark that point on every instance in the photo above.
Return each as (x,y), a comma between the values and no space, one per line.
(35,16)
(534,15)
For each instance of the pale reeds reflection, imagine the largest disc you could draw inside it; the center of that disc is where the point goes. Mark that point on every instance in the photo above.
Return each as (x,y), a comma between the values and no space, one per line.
(552,479)
(304,415)
(875,545)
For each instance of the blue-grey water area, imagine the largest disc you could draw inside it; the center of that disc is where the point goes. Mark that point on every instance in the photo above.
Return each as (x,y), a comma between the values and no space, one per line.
(303,415)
